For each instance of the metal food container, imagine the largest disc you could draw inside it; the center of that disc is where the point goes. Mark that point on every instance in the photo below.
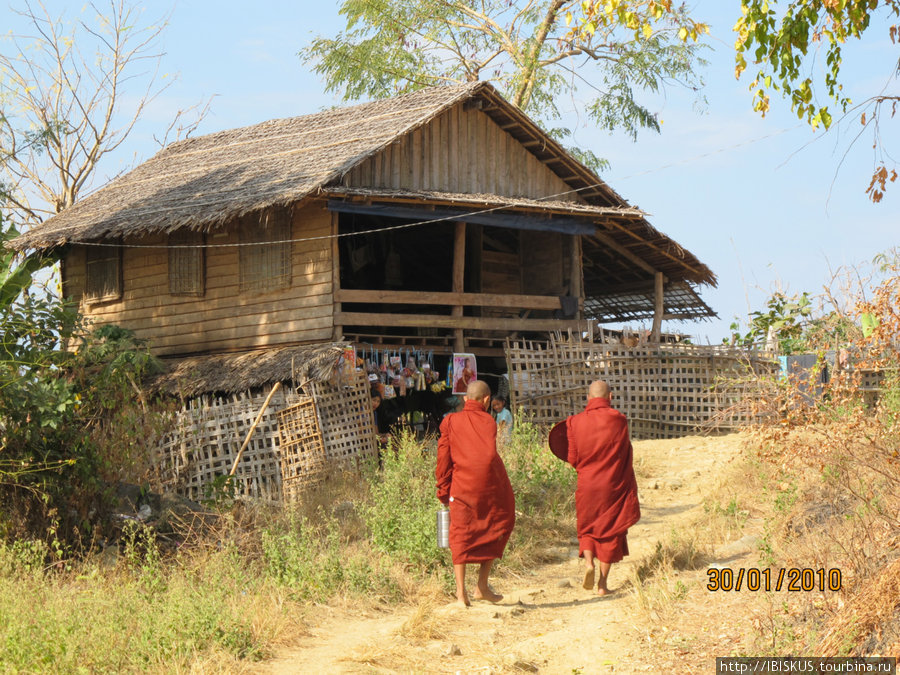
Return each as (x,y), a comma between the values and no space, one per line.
(443,527)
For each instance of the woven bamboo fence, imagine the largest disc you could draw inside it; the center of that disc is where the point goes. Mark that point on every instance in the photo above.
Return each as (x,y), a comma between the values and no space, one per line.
(302,449)
(330,428)
(206,437)
(666,390)
(344,409)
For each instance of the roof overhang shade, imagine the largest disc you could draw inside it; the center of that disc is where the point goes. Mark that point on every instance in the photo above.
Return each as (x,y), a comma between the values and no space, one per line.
(490,217)
(680,301)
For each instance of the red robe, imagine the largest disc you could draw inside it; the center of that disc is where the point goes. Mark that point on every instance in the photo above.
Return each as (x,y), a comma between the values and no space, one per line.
(471,477)
(606,501)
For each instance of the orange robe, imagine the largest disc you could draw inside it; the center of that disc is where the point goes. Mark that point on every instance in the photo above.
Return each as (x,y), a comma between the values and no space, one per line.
(472,479)
(606,501)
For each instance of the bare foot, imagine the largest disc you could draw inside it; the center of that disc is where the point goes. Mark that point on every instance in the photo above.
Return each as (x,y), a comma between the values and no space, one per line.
(463,600)
(588,582)
(487,594)
(603,591)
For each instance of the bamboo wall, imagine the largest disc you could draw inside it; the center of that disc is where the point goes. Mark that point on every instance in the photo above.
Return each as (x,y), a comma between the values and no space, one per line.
(223,318)
(462,151)
(665,390)
(209,430)
(205,439)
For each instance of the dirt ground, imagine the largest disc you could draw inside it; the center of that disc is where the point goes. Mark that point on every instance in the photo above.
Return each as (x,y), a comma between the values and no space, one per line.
(547,623)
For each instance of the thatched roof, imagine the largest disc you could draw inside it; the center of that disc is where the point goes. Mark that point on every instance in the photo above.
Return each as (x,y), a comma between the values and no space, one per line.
(203,182)
(236,372)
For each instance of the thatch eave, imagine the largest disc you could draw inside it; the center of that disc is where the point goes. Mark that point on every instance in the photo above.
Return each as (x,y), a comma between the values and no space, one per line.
(235,372)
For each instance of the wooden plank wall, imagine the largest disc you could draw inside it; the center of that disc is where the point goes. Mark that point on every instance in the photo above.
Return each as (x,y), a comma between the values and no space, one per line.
(223,319)
(461,151)
(544,265)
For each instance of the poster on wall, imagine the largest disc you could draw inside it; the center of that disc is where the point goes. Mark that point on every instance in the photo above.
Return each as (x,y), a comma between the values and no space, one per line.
(465,370)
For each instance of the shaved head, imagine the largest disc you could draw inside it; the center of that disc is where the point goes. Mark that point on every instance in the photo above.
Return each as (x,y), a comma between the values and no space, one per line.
(598,389)
(477,390)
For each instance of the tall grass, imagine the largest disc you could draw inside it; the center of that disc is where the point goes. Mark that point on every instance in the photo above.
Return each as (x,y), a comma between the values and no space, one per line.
(401,513)
(232,591)
(138,617)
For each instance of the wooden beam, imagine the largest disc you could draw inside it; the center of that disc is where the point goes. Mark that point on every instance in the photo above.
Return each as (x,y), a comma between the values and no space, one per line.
(624,252)
(646,242)
(506,300)
(336,275)
(542,222)
(458,322)
(434,345)
(459,282)
(656,332)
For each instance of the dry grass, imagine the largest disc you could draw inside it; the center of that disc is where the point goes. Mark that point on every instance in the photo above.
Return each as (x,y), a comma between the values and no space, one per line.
(868,612)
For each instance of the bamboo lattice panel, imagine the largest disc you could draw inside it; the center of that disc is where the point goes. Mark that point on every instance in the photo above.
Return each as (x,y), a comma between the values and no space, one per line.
(345,417)
(302,449)
(209,432)
(666,390)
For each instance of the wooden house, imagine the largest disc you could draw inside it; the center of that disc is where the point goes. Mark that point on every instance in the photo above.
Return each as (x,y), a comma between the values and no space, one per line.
(444,219)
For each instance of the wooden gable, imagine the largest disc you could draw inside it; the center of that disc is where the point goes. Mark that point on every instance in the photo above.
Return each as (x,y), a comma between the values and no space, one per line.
(463,151)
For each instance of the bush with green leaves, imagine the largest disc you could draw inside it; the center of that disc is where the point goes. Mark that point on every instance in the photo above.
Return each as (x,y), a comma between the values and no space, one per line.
(314,561)
(787,318)
(541,482)
(61,386)
(401,514)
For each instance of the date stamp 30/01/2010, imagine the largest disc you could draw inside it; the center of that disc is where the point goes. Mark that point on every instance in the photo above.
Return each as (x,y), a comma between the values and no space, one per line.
(787,578)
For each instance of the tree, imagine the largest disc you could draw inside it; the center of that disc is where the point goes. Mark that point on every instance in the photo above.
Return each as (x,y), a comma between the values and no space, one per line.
(784,46)
(786,322)
(534,51)
(67,100)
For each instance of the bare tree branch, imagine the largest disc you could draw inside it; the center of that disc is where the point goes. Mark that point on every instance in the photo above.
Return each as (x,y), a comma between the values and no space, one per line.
(63,100)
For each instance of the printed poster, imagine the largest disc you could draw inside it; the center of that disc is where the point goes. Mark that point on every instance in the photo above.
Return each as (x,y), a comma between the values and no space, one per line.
(465,370)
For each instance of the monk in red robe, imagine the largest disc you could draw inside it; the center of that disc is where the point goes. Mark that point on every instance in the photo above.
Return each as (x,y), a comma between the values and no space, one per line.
(606,501)
(472,480)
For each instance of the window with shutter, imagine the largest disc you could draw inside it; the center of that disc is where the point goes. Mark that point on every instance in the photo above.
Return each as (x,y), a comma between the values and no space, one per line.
(187,263)
(103,273)
(265,252)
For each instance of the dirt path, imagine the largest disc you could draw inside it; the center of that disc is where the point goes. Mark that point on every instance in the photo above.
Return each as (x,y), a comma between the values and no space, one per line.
(547,623)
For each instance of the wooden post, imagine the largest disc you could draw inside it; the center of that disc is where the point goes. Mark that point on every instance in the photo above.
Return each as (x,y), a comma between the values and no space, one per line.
(459,281)
(577,275)
(658,306)
(255,424)
(338,331)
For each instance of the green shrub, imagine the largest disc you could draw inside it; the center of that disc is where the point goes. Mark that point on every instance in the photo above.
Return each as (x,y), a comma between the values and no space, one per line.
(401,514)
(62,389)
(315,564)
(542,483)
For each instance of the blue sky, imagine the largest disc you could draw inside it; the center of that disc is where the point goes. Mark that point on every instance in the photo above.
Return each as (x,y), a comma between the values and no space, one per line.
(760,201)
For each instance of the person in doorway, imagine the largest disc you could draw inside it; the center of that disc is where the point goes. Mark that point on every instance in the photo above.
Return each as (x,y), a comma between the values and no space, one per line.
(472,481)
(606,499)
(382,424)
(503,417)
